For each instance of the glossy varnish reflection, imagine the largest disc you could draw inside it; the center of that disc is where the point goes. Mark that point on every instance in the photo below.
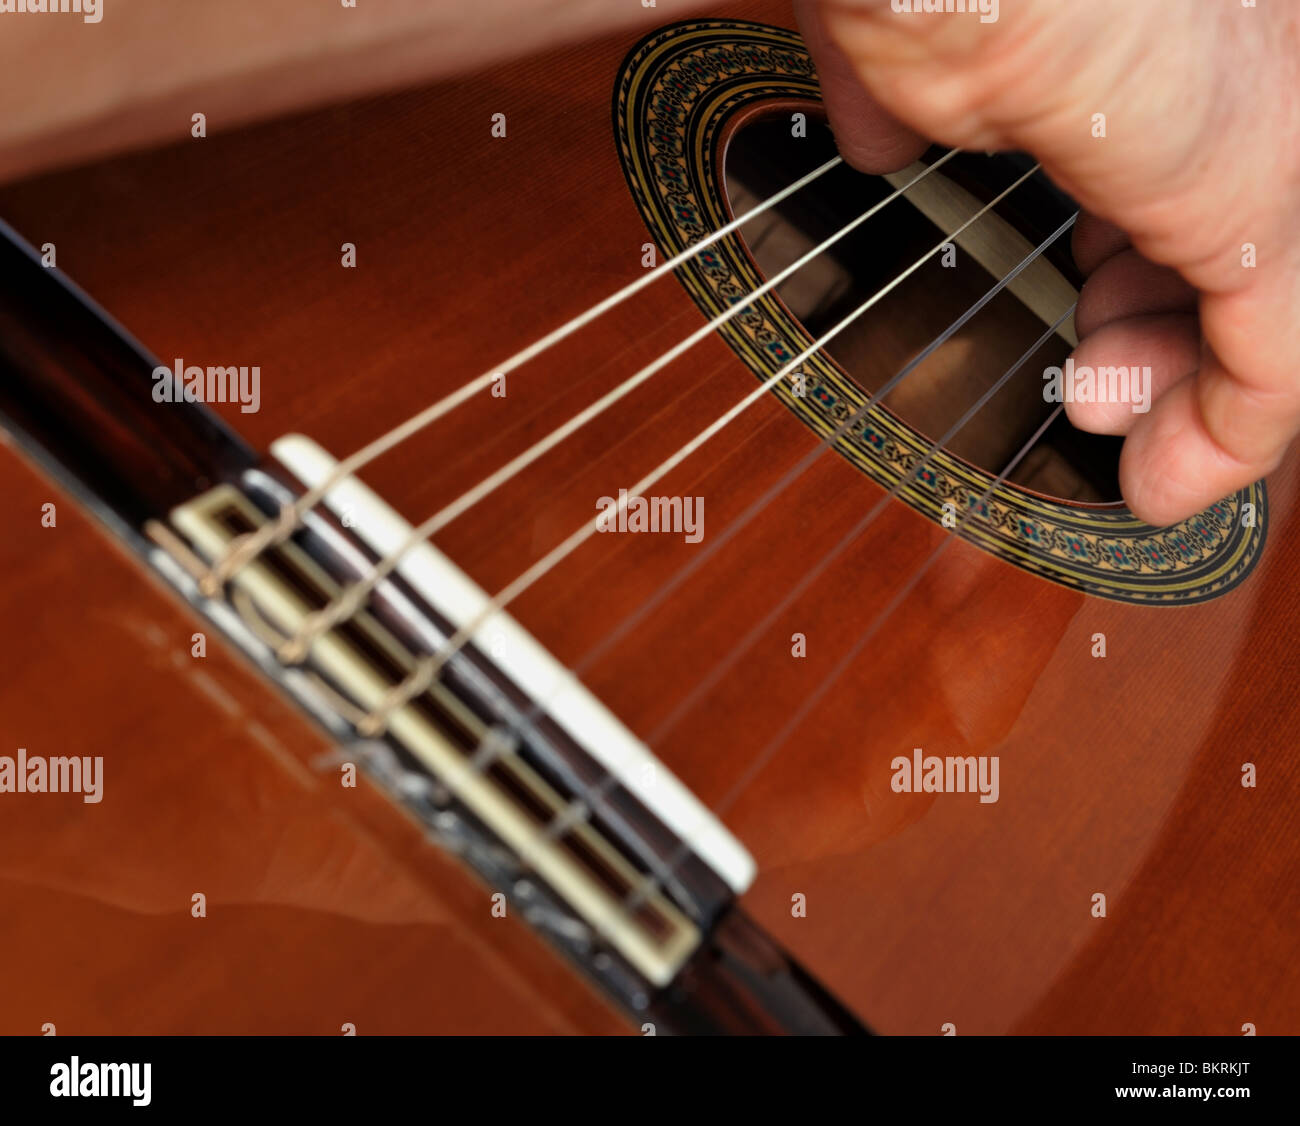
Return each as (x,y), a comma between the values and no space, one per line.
(1119,776)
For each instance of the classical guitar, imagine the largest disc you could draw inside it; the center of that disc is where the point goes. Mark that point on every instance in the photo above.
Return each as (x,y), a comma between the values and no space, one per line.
(560,552)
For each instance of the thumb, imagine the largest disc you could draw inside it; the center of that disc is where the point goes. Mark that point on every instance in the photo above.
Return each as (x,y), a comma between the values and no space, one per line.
(869,137)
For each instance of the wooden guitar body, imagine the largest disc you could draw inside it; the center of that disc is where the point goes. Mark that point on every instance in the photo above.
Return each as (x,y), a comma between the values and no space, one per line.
(1119,775)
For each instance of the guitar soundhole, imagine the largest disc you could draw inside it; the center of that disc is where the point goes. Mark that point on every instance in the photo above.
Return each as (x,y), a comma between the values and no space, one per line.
(765,155)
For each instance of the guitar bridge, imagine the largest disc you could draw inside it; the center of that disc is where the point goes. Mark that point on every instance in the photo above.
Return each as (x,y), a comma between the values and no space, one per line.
(570,814)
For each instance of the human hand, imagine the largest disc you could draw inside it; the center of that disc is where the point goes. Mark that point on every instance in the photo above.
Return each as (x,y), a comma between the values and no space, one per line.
(1198,166)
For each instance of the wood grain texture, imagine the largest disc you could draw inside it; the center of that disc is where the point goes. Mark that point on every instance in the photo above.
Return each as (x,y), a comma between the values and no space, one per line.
(1119,775)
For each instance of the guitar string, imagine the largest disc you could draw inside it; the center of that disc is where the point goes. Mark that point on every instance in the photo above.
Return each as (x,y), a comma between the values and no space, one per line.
(651,883)
(427,668)
(718,542)
(596,792)
(718,671)
(595,795)
(351,600)
(246,548)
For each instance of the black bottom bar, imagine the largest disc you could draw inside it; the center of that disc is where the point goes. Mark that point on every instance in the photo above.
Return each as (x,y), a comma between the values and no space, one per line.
(1246,1077)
